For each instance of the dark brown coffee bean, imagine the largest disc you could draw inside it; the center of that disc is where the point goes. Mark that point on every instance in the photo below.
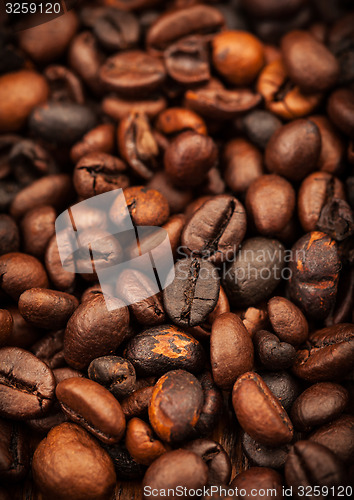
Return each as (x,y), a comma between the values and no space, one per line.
(243,164)
(164,348)
(176,120)
(20,272)
(26,384)
(21,92)
(93,331)
(314,269)
(271,352)
(47,308)
(61,278)
(141,444)
(216,458)
(231,350)
(100,139)
(9,235)
(14,451)
(272,8)
(270,424)
(29,160)
(132,73)
(175,406)
(189,157)
(183,22)
(6,326)
(310,464)
(92,406)
(338,436)
(293,150)
(258,480)
(212,406)
(116,30)
(216,230)
(194,292)
(318,405)
(270,202)
(137,144)
(340,110)
(336,219)
(114,373)
(98,173)
(136,405)
(177,198)
(127,469)
(64,85)
(50,349)
(255,273)
(69,463)
(38,227)
(23,334)
(264,456)
(332,145)
(287,320)
(119,107)
(254,319)
(238,56)
(259,126)
(328,356)
(284,386)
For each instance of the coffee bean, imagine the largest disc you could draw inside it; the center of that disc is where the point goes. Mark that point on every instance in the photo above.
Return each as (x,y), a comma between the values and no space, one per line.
(176,468)
(264,456)
(9,235)
(284,386)
(127,469)
(340,110)
(258,479)
(272,8)
(114,373)
(243,164)
(216,458)
(273,354)
(176,120)
(176,405)
(116,30)
(318,404)
(332,145)
(338,436)
(26,384)
(287,320)
(38,227)
(231,350)
(328,356)
(23,334)
(20,272)
(177,198)
(119,107)
(98,140)
(194,292)
(259,127)
(69,463)
(85,58)
(212,406)
(61,278)
(270,424)
(64,85)
(6,326)
(141,444)
(254,319)
(50,349)
(136,405)
(14,451)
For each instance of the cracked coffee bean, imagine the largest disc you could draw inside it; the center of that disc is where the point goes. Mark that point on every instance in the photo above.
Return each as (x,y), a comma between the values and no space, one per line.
(114,373)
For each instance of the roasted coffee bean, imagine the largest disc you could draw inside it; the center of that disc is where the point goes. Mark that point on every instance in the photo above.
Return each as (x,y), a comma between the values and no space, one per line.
(6,326)
(255,273)
(14,451)
(259,126)
(318,404)
(97,173)
(47,308)
(176,120)
(176,405)
(189,157)
(38,227)
(313,278)
(141,444)
(231,350)
(194,292)
(85,58)
(26,384)
(177,198)
(98,140)
(216,458)
(114,373)
(332,145)
(127,469)
(270,202)
(69,463)
(328,355)
(264,456)
(116,30)
(254,319)
(216,230)
(293,150)
(64,85)
(257,480)
(158,350)
(271,352)
(337,219)
(287,320)
(338,436)
(61,278)
(21,92)
(92,406)
(310,464)
(136,405)
(119,107)
(50,349)
(238,56)
(93,331)
(284,386)
(176,468)
(20,272)
(270,424)
(212,406)
(340,110)
(23,334)
(9,235)
(243,164)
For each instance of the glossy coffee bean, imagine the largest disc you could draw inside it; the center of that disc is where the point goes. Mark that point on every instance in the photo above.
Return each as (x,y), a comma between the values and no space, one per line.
(194,292)
(338,436)
(38,227)
(270,203)
(259,126)
(50,349)
(264,456)
(175,120)
(116,30)
(314,274)
(114,373)
(337,219)
(6,326)
(141,444)
(26,384)
(216,458)
(340,110)
(270,425)
(255,273)
(243,164)
(189,157)
(271,352)
(328,356)
(287,320)
(137,403)
(14,451)
(9,235)
(284,386)
(61,278)
(158,350)
(64,84)
(98,140)
(318,404)
(176,405)
(259,479)
(23,334)
(231,350)
(93,331)
(293,150)
(85,58)
(332,146)
(69,463)
(47,308)
(21,272)
(310,464)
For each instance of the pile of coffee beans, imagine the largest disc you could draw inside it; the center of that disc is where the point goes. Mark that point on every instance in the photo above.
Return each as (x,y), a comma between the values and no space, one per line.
(230,125)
